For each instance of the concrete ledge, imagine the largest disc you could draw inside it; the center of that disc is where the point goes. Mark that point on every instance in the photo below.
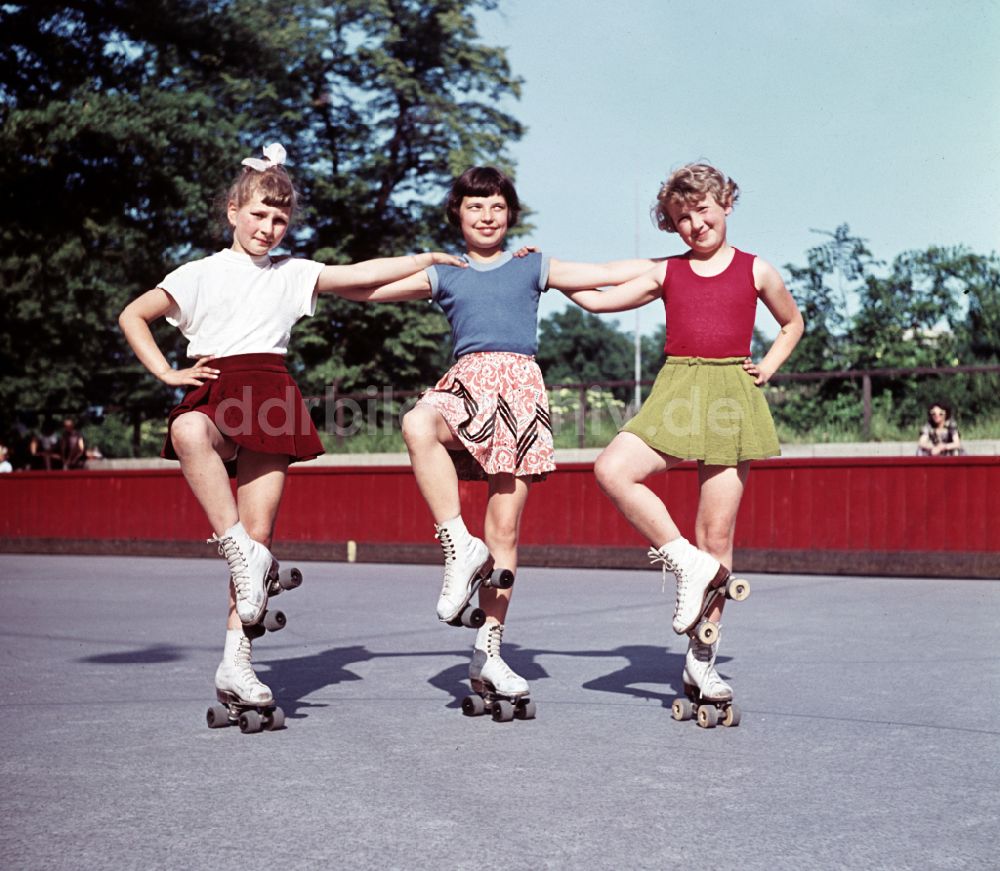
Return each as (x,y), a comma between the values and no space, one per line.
(909,564)
(977,448)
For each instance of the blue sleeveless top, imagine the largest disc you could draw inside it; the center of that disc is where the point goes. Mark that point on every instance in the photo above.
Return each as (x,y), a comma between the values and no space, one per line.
(492,306)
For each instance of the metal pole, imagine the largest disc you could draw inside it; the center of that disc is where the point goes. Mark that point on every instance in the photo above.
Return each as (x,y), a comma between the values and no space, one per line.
(866,394)
(638,343)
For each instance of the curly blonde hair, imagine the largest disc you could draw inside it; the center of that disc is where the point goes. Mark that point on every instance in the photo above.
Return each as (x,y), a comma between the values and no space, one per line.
(689,185)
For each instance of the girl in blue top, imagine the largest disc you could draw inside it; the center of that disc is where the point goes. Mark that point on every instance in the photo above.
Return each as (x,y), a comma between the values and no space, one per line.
(488,416)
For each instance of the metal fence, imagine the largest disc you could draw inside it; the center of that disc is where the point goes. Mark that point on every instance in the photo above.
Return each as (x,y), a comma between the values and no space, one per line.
(346,408)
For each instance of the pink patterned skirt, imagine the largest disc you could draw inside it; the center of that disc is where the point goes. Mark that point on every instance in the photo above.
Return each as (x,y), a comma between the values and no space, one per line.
(495,404)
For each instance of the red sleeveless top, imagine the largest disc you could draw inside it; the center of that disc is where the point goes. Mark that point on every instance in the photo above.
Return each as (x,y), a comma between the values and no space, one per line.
(710,317)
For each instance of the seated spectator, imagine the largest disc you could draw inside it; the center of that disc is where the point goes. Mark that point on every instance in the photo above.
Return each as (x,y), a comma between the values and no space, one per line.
(44,449)
(5,465)
(72,449)
(939,436)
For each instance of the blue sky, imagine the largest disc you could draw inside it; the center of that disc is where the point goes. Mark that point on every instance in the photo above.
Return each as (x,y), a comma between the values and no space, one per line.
(884,116)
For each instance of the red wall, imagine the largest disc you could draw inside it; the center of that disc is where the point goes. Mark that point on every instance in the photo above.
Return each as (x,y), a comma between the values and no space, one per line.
(912,504)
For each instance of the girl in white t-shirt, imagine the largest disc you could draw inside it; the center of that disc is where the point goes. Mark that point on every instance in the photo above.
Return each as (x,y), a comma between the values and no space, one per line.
(236,308)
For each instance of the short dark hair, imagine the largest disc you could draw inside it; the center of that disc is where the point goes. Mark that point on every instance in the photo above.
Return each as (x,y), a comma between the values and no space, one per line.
(482,181)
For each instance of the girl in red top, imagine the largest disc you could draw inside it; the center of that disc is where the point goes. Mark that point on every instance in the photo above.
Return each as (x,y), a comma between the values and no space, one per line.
(705,404)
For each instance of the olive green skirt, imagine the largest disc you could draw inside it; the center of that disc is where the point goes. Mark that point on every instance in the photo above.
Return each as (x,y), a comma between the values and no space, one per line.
(708,410)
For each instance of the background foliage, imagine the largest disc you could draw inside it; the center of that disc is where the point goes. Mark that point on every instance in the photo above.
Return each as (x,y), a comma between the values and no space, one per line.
(122,120)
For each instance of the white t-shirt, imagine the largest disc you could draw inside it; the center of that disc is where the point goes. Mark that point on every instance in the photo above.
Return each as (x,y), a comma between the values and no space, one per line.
(232,303)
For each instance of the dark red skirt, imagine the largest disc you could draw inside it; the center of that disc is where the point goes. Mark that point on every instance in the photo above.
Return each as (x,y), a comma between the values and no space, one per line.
(254,402)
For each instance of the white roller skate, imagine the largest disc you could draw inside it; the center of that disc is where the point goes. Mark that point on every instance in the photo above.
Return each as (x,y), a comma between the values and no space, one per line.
(466,560)
(244,699)
(700,579)
(708,698)
(496,687)
(250,567)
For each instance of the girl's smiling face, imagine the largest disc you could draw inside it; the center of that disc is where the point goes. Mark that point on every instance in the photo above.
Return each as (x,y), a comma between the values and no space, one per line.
(257,227)
(701,225)
(484,222)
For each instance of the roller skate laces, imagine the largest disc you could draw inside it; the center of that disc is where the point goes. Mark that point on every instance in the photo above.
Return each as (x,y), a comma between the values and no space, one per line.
(236,681)
(251,593)
(461,565)
(694,574)
(488,668)
(700,671)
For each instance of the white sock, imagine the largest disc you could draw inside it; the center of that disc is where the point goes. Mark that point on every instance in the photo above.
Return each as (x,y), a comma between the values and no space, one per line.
(456,528)
(676,547)
(235,531)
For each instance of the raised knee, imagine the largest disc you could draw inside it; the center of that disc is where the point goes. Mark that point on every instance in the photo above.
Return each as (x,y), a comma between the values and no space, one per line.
(609,472)
(418,426)
(189,432)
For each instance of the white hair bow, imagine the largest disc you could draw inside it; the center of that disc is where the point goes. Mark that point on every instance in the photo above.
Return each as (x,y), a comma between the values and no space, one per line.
(274,155)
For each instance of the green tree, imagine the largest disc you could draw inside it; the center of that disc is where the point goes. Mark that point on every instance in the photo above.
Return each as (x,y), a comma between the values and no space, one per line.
(427,95)
(935,308)
(122,119)
(118,117)
(822,288)
(575,346)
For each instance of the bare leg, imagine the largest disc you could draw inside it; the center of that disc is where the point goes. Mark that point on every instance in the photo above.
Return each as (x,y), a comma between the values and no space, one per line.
(201,449)
(621,469)
(507,498)
(260,484)
(718,504)
(428,439)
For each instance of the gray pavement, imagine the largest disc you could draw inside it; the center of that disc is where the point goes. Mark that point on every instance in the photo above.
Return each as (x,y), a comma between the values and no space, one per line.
(871,718)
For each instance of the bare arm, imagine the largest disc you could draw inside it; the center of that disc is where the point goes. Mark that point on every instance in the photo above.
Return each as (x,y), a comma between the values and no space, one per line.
(416,286)
(924,442)
(632,294)
(134,322)
(378,272)
(566,276)
(772,291)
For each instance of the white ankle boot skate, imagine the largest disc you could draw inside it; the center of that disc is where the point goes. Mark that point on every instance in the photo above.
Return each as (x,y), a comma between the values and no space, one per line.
(250,565)
(697,574)
(465,559)
(235,679)
(495,685)
(700,673)
(244,699)
(707,696)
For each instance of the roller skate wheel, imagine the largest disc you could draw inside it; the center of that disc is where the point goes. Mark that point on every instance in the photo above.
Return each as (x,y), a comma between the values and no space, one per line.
(502,579)
(255,631)
(503,711)
(218,717)
(473,706)
(708,632)
(738,589)
(731,716)
(289,579)
(274,620)
(682,709)
(275,720)
(708,716)
(473,618)
(250,721)
(525,710)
